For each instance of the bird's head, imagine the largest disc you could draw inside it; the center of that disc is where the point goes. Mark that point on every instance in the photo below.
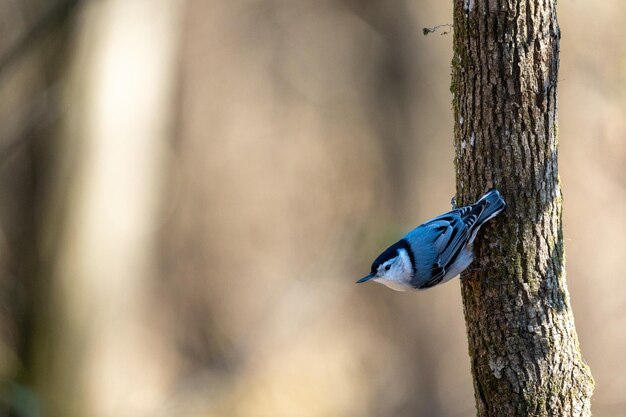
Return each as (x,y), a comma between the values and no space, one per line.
(392,268)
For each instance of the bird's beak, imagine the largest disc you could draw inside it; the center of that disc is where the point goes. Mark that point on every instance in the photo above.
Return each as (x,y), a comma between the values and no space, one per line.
(367,278)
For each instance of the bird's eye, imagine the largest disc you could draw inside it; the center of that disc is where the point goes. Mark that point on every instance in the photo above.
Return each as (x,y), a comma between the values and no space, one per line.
(387,267)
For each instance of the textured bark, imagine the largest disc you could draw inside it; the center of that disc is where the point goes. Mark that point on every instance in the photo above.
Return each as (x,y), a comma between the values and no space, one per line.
(524,350)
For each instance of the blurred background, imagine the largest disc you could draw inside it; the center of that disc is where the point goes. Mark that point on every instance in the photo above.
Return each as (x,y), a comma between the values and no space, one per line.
(189,189)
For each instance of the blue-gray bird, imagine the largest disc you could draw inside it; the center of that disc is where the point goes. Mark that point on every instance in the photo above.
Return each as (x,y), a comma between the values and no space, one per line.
(436,251)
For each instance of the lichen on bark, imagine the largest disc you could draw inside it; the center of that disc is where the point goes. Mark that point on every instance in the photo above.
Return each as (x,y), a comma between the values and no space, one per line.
(525,356)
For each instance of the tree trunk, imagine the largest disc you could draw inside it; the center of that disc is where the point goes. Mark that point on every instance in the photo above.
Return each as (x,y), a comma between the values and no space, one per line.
(101,351)
(525,356)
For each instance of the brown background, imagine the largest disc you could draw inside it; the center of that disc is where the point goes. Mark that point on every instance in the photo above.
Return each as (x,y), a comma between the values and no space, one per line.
(185,236)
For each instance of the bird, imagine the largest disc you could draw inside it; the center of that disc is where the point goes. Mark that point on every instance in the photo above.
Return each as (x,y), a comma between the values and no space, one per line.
(436,251)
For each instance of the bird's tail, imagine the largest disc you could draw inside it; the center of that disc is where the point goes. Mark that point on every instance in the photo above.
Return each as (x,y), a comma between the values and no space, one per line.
(489,206)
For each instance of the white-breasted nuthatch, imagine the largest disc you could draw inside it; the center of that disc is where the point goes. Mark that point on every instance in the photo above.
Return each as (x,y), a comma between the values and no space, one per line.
(436,251)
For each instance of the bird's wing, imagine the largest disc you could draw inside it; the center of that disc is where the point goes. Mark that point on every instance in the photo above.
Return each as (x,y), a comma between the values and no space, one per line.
(453,232)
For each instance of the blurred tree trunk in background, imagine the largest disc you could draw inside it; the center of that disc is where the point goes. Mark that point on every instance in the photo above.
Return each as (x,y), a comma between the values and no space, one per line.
(522,341)
(103,354)
(33,49)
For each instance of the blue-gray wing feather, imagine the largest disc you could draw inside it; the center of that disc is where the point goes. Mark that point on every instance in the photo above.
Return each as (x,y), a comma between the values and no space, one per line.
(439,242)
(452,231)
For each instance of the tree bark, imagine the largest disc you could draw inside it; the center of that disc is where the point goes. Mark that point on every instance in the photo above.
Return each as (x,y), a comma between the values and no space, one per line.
(524,350)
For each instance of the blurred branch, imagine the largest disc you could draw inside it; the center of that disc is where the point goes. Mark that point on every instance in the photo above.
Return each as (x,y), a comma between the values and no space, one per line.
(39,113)
(56,14)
